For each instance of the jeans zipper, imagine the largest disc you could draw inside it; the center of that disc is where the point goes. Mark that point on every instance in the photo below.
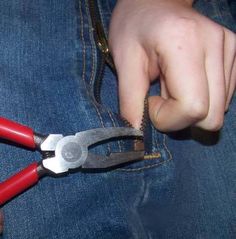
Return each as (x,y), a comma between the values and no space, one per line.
(106,58)
(102,45)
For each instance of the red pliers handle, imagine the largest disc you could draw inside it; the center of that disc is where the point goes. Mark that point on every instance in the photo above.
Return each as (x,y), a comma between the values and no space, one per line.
(29,176)
(19,183)
(17,133)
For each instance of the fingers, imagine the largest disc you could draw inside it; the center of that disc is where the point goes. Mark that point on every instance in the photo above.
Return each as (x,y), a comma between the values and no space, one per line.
(195,94)
(185,78)
(220,61)
(131,64)
(216,82)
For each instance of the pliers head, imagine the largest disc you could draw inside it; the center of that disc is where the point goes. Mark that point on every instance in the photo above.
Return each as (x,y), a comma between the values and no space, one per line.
(73,151)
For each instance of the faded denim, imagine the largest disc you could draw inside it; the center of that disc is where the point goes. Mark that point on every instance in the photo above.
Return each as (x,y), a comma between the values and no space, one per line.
(48,63)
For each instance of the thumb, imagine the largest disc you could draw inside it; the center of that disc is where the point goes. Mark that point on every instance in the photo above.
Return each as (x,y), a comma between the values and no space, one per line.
(158,105)
(133,85)
(155,104)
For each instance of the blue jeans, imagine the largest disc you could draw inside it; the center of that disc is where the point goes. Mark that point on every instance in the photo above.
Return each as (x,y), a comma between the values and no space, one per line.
(48,64)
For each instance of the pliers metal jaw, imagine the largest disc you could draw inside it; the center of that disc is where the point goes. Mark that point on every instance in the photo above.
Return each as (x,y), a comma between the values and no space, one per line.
(62,153)
(72,151)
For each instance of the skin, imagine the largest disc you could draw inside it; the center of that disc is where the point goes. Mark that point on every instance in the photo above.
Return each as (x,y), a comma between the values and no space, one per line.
(192,56)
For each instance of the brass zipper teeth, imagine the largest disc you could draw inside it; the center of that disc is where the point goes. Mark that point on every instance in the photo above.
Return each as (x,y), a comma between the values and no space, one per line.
(145,115)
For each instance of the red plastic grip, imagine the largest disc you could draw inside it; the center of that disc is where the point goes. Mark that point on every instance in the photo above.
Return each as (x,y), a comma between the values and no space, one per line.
(18,183)
(17,133)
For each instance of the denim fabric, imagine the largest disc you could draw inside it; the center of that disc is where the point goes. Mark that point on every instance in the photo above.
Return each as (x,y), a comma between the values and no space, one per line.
(232,5)
(48,63)
(221,11)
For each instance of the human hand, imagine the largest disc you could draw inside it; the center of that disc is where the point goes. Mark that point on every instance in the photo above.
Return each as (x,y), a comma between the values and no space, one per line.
(193,57)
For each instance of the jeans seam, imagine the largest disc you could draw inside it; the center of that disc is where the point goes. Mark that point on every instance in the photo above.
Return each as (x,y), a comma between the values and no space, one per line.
(108,6)
(155,139)
(84,64)
(166,147)
(145,167)
(113,121)
(93,49)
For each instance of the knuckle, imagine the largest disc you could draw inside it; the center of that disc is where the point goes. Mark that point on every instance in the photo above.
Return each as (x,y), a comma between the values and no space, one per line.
(118,50)
(212,123)
(184,31)
(219,33)
(230,34)
(216,124)
(196,110)
(187,23)
(219,30)
(184,27)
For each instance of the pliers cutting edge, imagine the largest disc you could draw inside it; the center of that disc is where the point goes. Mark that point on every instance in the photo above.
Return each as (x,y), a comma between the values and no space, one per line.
(61,153)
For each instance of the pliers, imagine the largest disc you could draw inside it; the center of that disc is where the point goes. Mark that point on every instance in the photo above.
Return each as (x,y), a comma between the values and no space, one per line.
(60,154)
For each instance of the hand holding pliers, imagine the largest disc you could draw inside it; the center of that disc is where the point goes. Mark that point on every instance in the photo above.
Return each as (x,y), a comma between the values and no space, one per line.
(61,154)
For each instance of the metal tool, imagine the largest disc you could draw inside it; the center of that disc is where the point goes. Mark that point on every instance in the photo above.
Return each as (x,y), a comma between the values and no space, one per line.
(61,153)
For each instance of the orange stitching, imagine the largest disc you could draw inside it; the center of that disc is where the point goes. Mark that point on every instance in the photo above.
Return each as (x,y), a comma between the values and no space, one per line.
(152,156)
